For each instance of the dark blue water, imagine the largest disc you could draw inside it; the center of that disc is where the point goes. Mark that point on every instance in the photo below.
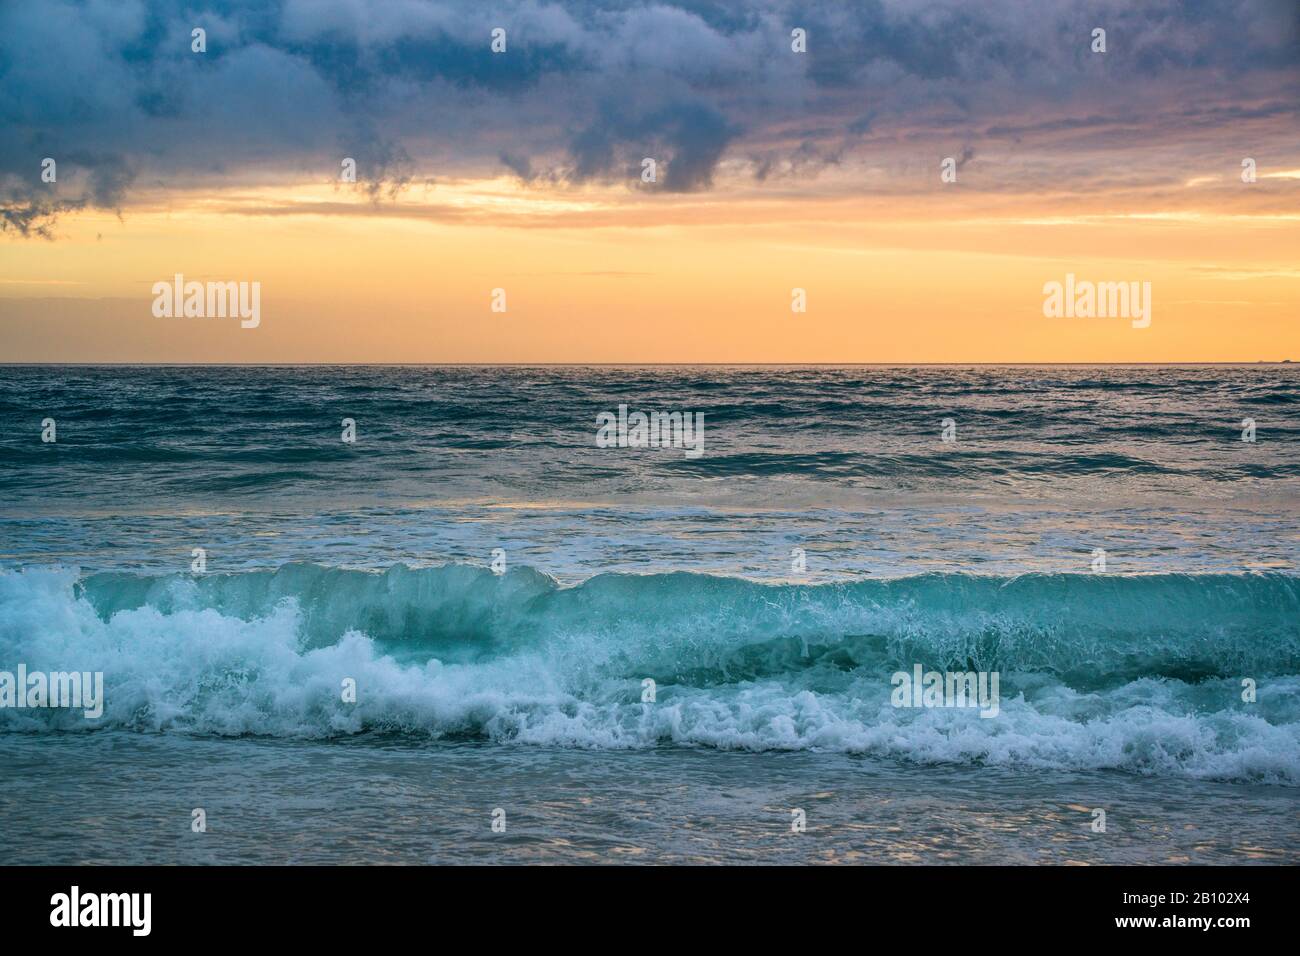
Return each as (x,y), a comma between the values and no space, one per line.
(1101,538)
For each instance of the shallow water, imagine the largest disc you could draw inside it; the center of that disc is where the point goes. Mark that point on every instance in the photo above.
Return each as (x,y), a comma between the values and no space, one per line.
(127,798)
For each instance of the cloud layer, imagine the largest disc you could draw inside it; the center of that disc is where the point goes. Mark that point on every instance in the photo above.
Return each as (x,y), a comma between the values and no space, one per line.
(585,90)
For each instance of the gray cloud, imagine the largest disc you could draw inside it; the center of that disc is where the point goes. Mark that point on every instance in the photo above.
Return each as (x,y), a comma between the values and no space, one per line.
(32,216)
(586,89)
(30,208)
(690,136)
(521,166)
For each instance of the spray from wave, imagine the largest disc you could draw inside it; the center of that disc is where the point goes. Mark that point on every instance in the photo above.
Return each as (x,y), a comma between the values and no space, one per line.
(1097,671)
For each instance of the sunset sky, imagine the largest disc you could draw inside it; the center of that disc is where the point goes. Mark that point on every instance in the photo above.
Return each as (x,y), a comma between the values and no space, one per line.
(521,170)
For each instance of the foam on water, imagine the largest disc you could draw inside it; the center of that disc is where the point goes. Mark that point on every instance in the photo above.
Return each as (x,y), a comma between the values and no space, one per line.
(1137,673)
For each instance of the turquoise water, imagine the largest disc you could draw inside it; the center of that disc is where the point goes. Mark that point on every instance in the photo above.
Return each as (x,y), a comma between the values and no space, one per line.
(826,538)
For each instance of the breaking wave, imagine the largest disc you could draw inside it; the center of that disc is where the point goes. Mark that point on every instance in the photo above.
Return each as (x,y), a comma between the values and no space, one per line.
(1140,673)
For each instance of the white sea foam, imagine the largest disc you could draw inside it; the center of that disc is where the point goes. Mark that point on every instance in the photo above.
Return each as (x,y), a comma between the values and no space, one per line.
(185,667)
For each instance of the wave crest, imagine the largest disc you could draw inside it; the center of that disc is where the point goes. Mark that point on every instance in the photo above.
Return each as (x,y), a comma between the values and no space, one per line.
(1139,673)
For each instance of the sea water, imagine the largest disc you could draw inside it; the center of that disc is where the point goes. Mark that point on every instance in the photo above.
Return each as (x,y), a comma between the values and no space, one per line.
(638,654)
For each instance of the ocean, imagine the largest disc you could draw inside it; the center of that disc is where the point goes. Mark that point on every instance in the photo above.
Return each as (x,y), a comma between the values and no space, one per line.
(421,614)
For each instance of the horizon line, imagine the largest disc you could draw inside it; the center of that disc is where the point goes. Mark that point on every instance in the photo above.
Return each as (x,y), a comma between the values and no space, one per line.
(1173,364)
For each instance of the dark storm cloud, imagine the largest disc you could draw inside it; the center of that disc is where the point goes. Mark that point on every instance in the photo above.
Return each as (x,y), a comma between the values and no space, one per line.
(692,135)
(586,89)
(31,208)
(521,166)
(108,180)
(29,215)
(384,167)
(805,160)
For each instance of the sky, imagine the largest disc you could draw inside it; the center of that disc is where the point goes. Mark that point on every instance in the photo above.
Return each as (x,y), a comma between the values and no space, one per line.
(776,169)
